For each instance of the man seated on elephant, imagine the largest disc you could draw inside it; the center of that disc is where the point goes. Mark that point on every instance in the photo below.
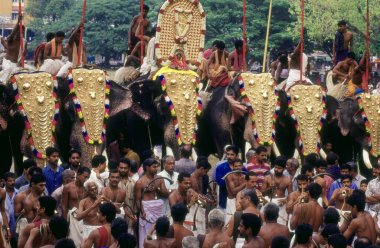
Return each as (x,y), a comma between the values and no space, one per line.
(294,69)
(343,70)
(206,55)
(217,70)
(276,186)
(53,54)
(236,62)
(146,193)
(73,52)
(354,86)
(138,22)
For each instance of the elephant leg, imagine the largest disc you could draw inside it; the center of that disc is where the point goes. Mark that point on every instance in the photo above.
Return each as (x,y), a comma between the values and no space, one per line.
(5,152)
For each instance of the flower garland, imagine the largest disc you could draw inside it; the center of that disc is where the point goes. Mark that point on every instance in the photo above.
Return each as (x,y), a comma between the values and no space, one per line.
(80,114)
(298,130)
(244,97)
(367,125)
(173,113)
(28,126)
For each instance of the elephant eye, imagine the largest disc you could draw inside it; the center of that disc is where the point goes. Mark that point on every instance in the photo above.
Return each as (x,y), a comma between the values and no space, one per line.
(26,86)
(49,84)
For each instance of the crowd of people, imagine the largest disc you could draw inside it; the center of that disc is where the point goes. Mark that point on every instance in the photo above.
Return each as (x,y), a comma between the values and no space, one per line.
(186,203)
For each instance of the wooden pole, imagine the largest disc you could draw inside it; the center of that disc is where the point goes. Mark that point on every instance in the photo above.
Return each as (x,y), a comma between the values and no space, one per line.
(302,37)
(367,49)
(244,34)
(267,36)
(142,32)
(21,50)
(80,47)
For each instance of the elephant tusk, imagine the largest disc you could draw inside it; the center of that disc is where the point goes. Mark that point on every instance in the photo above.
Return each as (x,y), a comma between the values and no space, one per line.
(194,154)
(247,147)
(276,150)
(323,153)
(169,151)
(366,160)
(296,154)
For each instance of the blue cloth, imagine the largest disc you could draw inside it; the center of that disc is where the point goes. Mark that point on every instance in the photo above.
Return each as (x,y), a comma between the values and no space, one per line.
(10,210)
(53,178)
(334,170)
(221,171)
(21,181)
(337,184)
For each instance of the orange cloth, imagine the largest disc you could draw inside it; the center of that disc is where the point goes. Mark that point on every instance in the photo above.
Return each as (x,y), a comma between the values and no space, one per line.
(218,72)
(56,51)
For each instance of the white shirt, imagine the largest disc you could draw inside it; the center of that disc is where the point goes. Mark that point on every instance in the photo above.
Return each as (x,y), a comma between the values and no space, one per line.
(100,182)
(373,188)
(174,178)
(356,180)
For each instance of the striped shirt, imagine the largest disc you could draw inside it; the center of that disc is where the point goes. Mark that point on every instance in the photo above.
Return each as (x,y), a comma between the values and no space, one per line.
(259,170)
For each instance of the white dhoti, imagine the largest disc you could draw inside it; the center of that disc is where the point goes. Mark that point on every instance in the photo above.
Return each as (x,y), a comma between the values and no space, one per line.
(294,76)
(8,68)
(239,242)
(153,210)
(52,66)
(342,213)
(75,228)
(282,215)
(200,220)
(64,71)
(87,229)
(21,224)
(230,209)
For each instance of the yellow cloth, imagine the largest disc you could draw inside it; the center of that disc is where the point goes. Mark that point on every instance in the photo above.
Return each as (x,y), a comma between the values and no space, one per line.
(350,89)
(165,70)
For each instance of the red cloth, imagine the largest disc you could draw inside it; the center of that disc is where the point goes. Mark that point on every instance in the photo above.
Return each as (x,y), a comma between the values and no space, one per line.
(222,80)
(39,50)
(260,170)
(103,241)
(207,53)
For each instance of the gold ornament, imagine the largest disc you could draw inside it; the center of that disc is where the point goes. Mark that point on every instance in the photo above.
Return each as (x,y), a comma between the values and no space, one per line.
(371,106)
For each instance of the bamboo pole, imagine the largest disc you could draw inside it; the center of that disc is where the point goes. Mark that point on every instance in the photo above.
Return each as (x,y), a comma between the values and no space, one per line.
(267,36)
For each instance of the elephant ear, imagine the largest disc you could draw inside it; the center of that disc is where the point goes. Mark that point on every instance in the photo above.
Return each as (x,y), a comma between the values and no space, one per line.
(120,98)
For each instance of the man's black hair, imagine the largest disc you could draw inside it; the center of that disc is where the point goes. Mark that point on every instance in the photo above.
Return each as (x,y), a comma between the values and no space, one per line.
(60,34)
(337,241)
(179,212)
(108,210)
(182,176)
(362,243)
(311,159)
(49,36)
(38,178)
(26,164)
(305,168)
(220,45)
(215,42)
(357,198)
(202,162)
(162,226)
(65,243)
(72,151)
(280,161)
(9,175)
(49,204)
(329,230)
(126,240)
(261,149)
(146,7)
(50,150)
(351,55)
(331,216)
(239,43)
(332,158)
(118,227)
(113,164)
(125,161)
(280,242)
(233,148)
(251,221)
(97,160)
(59,227)
(320,163)
(345,167)
(342,177)
(364,181)
(34,170)
(134,166)
(301,177)
(315,190)
(83,169)
(250,174)
(342,23)
(186,151)
(303,233)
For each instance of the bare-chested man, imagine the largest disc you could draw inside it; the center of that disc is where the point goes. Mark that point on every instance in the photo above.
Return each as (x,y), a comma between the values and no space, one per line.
(249,228)
(362,225)
(251,183)
(12,58)
(235,182)
(74,192)
(146,192)
(216,67)
(216,235)
(114,194)
(323,180)
(310,212)
(177,229)
(138,22)
(345,68)
(88,209)
(271,228)
(128,184)
(203,167)
(340,196)
(343,42)
(299,196)
(276,185)
(248,202)
(27,201)
(162,228)
(53,54)
(45,207)
(101,237)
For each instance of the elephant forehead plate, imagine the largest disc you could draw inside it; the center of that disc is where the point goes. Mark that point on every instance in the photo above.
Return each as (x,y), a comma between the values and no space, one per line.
(90,90)
(260,90)
(371,106)
(181,25)
(307,103)
(38,101)
(181,89)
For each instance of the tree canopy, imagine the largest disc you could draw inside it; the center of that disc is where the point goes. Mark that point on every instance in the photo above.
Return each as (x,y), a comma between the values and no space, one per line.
(107,22)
